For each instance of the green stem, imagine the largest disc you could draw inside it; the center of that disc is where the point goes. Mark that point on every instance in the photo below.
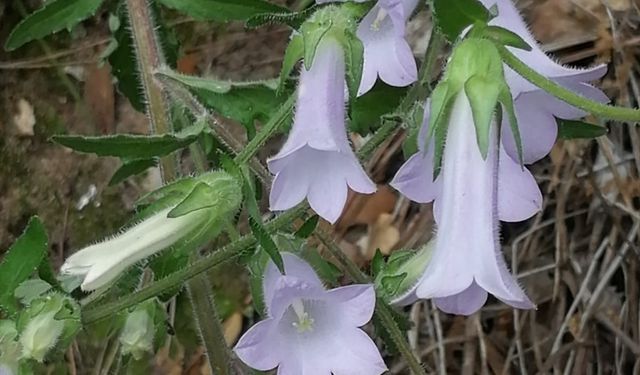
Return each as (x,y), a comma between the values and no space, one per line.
(150,56)
(209,325)
(93,312)
(275,123)
(382,312)
(596,108)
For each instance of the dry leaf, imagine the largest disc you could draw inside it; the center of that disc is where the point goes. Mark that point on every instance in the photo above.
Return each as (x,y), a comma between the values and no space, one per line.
(232,327)
(25,119)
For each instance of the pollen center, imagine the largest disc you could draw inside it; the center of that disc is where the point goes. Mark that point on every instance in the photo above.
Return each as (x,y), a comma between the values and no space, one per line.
(304,322)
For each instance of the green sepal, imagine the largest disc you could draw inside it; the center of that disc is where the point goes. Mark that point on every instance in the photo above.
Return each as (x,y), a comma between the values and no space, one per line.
(506,99)
(453,16)
(442,100)
(293,54)
(354,59)
(483,98)
(312,34)
(215,190)
(403,271)
(505,37)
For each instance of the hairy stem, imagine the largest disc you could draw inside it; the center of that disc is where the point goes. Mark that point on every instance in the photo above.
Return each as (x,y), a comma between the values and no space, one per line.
(150,56)
(209,325)
(578,101)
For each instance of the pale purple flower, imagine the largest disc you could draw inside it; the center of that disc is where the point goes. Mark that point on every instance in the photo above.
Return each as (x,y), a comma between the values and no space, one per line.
(310,330)
(471,195)
(387,53)
(317,162)
(535,108)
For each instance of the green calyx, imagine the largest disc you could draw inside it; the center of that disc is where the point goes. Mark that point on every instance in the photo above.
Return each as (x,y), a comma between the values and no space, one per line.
(476,69)
(398,277)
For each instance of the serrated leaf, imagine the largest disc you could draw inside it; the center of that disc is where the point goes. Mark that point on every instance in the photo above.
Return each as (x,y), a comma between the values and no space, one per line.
(453,16)
(312,34)
(308,227)
(506,99)
(576,129)
(54,16)
(291,19)
(130,146)
(266,243)
(223,10)
(483,97)
(131,168)
(22,259)
(505,37)
(354,58)
(293,54)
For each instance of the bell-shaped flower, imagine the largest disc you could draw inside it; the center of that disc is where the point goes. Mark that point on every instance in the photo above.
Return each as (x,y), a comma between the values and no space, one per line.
(387,53)
(317,162)
(311,330)
(205,202)
(535,108)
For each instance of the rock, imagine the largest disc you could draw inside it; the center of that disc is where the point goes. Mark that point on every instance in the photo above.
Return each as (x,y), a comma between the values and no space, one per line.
(25,119)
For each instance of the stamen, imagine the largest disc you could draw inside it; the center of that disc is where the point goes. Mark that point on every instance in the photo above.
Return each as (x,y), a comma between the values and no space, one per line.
(304,323)
(382,14)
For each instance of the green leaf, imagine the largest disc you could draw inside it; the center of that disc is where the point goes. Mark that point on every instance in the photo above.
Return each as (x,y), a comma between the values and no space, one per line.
(367,109)
(483,97)
(453,16)
(244,102)
(54,16)
(377,263)
(31,289)
(442,100)
(130,146)
(22,259)
(506,99)
(312,34)
(573,129)
(293,54)
(354,56)
(266,243)
(308,227)
(505,37)
(131,168)
(223,10)
(391,284)
(291,19)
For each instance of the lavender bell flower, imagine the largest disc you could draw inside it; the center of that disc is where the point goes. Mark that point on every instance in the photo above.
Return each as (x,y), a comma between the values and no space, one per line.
(317,161)
(535,108)
(310,330)
(472,194)
(387,54)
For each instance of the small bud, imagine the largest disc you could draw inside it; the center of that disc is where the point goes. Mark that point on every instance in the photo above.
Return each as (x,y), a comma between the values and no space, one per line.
(41,334)
(138,332)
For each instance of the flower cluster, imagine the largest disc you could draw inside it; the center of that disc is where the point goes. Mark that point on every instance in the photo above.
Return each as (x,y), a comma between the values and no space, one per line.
(481,182)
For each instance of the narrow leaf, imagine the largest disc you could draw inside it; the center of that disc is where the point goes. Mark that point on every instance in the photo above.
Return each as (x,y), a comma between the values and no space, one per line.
(223,10)
(506,37)
(22,259)
(131,168)
(293,54)
(354,56)
(266,242)
(308,227)
(130,146)
(291,19)
(573,129)
(54,16)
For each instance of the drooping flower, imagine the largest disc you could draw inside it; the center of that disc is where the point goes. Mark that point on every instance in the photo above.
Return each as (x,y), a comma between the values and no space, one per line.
(317,162)
(311,330)
(387,53)
(535,108)
(103,262)
(473,193)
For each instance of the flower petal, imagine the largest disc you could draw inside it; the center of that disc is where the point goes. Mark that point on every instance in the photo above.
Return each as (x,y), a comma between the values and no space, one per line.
(355,302)
(415,178)
(290,186)
(466,302)
(261,347)
(538,129)
(494,276)
(354,353)
(294,267)
(519,196)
